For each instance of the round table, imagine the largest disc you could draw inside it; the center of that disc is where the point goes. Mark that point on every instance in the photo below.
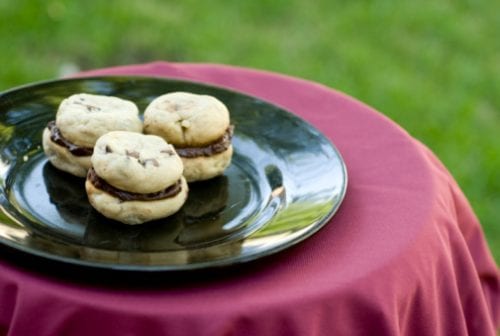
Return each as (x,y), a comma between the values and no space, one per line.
(404,255)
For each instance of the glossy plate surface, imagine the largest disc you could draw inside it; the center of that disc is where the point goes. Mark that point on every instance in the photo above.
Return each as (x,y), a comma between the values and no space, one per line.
(285,182)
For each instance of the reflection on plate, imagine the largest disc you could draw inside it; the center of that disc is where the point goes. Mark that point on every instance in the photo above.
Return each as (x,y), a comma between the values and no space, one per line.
(285,182)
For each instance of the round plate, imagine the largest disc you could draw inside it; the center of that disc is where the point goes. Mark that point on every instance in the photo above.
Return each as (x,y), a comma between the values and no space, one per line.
(285,182)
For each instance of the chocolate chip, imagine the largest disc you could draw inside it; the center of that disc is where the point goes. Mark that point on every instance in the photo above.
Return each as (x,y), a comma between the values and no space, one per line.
(108,149)
(133,154)
(89,107)
(153,161)
(167,151)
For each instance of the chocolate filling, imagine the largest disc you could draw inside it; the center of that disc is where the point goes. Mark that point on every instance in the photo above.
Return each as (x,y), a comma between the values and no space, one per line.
(218,146)
(123,195)
(58,138)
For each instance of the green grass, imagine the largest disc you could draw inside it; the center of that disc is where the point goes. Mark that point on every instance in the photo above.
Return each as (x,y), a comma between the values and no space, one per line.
(432,66)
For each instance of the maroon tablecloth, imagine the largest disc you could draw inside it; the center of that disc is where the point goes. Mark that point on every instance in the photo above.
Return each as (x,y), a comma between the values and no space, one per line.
(405,255)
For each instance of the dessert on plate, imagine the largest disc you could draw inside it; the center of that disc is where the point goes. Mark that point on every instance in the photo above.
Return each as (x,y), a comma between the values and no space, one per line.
(135,178)
(81,119)
(199,128)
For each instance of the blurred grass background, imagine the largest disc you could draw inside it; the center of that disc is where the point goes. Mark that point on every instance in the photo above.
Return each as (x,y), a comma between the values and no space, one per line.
(432,66)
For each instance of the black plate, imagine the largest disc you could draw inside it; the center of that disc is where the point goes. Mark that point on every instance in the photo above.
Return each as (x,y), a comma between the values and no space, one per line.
(285,182)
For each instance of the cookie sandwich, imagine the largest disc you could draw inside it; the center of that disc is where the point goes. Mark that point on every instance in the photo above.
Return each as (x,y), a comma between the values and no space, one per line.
(199,128)
(135,178)
(81,119)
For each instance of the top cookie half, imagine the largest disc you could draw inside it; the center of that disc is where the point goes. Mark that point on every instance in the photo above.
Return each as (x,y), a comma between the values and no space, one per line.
(83,118)
(186,119)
